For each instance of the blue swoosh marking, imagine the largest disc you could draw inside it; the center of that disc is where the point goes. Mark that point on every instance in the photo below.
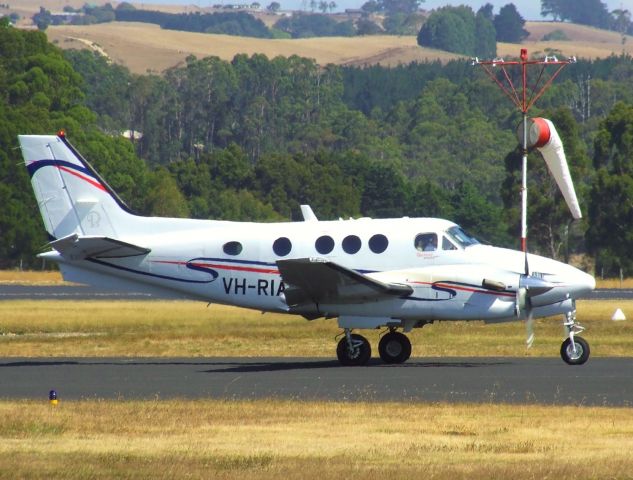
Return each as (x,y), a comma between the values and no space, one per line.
(35,166)
(147,274)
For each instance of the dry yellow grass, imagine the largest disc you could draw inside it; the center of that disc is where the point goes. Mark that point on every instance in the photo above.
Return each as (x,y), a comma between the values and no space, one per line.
(145,47)
(30,277)
(153,328)
(311,440)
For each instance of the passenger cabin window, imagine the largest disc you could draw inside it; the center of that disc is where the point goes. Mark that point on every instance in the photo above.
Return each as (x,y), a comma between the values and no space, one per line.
(232,248)
(447,244)
(282,246)
(351,244)
(324,244)
(378,243)
(426,242)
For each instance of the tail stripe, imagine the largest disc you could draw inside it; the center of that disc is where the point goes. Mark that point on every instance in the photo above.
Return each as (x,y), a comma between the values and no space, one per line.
(67,167)
(35,166)
(91,182)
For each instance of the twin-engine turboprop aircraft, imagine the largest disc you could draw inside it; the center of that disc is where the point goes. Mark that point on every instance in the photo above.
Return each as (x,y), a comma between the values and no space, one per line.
(398,273)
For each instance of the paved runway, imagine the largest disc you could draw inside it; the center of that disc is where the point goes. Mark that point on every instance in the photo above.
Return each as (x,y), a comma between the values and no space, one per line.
(76,292)
(601,381)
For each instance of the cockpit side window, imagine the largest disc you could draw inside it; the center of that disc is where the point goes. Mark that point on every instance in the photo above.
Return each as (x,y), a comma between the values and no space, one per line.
(426,242)
(447,244)
(460,237)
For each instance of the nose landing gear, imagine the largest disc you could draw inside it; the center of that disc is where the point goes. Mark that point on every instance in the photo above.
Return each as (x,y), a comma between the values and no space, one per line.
(575,349)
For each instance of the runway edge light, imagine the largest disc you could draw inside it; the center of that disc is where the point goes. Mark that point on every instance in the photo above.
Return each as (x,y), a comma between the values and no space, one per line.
(618,316)
(52,397)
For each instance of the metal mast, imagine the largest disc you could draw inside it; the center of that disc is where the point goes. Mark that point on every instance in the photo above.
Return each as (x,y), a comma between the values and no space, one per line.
(523,98)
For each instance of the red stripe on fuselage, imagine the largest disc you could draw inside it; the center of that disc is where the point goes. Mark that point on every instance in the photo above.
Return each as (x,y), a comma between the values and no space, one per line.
(223,267)
(78,175)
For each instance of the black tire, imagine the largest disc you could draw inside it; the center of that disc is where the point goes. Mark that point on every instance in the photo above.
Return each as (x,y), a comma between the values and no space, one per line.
(394,347)
(360,355)
(575,358)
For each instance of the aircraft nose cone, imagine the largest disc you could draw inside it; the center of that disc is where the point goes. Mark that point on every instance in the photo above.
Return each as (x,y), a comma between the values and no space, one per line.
(588,283)
(581,284)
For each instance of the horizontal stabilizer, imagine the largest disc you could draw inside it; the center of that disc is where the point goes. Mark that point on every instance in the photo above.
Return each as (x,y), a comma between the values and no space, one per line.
(315,280)
(75,247)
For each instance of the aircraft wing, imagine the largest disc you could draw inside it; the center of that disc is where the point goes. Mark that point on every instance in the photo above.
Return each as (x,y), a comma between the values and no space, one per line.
(76,247)
(315,280)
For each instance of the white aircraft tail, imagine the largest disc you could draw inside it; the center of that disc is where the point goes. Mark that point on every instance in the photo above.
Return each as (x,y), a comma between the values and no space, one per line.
(73,199)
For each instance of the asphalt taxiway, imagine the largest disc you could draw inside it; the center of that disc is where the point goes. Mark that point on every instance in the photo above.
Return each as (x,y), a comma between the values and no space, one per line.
(601,381)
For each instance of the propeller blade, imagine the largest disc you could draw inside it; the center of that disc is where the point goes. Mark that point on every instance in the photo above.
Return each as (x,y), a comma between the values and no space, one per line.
(543,135)
(523,303)
(529,328)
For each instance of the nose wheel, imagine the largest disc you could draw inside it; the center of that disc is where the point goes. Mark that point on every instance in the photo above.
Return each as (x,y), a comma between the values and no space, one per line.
(575,349)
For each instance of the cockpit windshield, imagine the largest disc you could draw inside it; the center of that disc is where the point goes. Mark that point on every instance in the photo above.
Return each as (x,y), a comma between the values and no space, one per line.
(460,237)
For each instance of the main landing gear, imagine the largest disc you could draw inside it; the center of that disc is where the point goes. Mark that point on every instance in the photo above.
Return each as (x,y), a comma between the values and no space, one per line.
(575,349)
(353,349)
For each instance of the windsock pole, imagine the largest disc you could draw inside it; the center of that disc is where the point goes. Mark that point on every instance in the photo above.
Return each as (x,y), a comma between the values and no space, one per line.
(524,189)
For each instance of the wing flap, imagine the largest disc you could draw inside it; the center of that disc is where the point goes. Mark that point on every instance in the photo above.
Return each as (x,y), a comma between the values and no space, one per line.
(77,248)
(315,280)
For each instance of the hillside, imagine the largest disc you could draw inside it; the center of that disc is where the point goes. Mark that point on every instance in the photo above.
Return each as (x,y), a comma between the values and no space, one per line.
(142,47)
(584,42)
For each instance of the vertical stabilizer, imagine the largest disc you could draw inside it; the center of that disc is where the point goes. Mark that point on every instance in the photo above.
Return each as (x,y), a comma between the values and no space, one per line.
(71,196)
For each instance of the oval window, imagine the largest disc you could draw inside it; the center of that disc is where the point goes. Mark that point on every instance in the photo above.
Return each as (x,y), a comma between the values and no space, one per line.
(378,243)
(324,244)
(351,244)
(232,248)
(282,246)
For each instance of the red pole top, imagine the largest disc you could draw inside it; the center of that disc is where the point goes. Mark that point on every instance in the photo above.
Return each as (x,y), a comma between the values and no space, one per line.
(524,55)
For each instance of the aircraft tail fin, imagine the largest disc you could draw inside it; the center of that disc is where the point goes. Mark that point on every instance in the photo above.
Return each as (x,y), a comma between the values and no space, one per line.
(72,197)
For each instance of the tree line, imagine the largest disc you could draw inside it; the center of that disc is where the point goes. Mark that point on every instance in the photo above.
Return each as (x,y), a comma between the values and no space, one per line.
(253,138)
(461,30)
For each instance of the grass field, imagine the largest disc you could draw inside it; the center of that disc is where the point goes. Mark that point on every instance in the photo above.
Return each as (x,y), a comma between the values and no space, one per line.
(169,328)
(311,440)
(145,47)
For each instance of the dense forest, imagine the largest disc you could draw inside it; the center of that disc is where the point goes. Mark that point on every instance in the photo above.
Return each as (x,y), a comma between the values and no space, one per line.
(253,138)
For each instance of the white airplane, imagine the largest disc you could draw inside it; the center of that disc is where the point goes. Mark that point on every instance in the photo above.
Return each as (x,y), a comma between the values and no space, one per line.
(397,273)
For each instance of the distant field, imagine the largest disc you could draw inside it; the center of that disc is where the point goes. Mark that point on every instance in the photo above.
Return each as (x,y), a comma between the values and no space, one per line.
(145,47)
(142,47)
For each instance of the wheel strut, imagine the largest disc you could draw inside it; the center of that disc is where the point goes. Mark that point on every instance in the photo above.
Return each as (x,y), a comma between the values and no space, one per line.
(572,327)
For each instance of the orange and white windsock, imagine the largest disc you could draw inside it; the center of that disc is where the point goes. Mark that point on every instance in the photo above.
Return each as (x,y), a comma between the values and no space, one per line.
(543,135)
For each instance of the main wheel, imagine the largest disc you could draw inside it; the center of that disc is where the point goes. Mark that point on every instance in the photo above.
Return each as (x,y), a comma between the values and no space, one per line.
(360,354)
(394,347)
(578,357)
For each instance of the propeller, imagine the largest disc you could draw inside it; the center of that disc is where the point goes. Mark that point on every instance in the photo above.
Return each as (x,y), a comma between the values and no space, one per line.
(541,134)
(530,287)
